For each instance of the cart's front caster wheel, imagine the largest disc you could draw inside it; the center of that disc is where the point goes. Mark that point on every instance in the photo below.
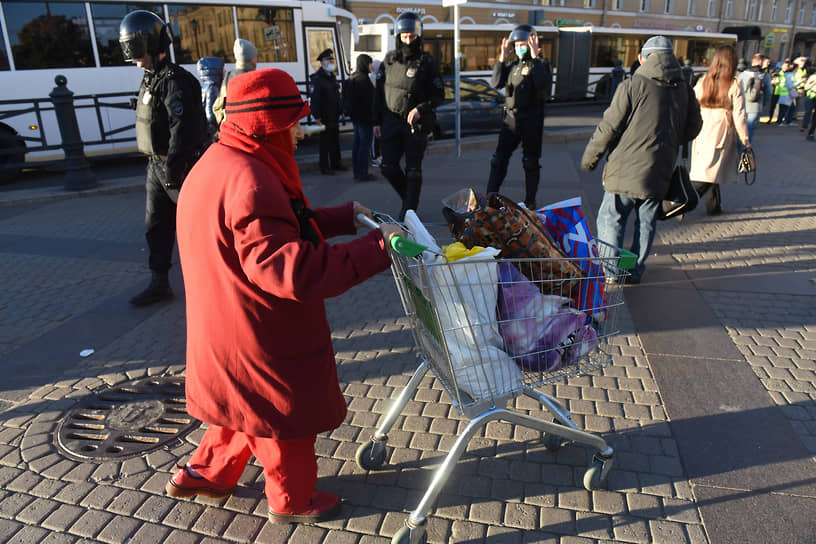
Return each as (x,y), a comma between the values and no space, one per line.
(371,455)
(596,474)
(410,535)
(552,442)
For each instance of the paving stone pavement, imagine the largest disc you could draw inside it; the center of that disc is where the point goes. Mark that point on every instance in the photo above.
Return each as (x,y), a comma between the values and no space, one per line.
(69,266)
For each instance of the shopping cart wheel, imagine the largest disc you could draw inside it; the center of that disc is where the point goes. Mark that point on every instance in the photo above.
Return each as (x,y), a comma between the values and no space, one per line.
(410,535)
(371,455)
(595,476)
(552,442)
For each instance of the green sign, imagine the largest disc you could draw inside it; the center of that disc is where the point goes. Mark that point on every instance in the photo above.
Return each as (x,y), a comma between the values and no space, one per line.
(769,41)
(569,22)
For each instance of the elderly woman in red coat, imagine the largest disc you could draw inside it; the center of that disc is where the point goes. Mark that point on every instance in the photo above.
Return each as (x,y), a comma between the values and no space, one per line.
(260,363)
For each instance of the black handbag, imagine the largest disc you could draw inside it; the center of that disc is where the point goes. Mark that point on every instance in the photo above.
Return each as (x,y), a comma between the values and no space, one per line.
(747,165)
(681,198)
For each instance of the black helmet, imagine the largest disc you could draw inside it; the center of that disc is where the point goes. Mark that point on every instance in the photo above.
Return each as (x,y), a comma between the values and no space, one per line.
(521,33)
(143,32)
(408,21)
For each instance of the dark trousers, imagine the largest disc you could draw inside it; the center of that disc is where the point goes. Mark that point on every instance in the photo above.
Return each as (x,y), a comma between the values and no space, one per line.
(160,216)
(330,147)
(398,140)
(807,113)
(713,198)
(527,131)
(774,100)
(360,149)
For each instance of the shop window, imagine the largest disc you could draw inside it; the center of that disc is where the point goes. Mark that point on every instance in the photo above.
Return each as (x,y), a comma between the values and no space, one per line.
(191,37)
(48,35)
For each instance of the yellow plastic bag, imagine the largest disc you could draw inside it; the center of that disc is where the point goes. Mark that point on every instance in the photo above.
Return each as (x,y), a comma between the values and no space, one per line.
(457,250)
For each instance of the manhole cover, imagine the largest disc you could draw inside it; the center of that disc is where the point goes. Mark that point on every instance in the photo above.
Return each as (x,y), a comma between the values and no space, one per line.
(127,420)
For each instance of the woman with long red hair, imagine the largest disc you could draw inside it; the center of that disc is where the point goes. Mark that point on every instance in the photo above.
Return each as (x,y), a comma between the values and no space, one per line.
(714,152)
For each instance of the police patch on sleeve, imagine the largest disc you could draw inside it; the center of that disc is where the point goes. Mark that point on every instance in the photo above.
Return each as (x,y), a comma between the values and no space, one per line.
(177,107)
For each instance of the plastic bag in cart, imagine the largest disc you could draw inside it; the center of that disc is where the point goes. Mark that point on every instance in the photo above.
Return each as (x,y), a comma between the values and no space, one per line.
(541,332)
(566,223)
(465,294)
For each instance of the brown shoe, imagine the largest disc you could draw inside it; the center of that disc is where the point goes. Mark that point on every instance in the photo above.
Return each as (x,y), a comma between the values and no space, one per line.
(184,484)
(323,506)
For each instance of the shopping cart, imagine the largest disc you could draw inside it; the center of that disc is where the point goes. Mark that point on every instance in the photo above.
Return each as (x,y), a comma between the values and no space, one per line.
(463,316)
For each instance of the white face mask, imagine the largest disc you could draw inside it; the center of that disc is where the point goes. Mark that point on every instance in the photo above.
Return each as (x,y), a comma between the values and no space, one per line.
(330,67)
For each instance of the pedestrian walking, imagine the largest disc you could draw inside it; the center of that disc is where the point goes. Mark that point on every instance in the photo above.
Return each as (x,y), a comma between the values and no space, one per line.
(617,75)
(257,267)
(358,100)
(246,60)
(527,81)
(324,94)
(211,74)
(809,116)
(688,71)
(756,88)
(652,115)
(409,89)
(714,152)
(171,130)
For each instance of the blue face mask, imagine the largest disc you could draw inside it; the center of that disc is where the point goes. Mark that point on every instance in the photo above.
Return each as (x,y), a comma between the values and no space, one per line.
(521,50)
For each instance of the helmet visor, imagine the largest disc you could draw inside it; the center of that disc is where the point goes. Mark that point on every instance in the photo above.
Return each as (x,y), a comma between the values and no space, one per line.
(519,35)
(133,48)
(413,26)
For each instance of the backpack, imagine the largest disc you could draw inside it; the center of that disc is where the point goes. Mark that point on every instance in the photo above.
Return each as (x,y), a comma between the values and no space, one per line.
(753,90)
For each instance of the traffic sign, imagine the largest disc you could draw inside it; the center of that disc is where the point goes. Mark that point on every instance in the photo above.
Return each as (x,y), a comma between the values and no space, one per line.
(769,41)
(449,3)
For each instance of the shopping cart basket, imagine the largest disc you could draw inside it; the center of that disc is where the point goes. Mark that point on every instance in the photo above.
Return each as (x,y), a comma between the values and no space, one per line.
(464,316)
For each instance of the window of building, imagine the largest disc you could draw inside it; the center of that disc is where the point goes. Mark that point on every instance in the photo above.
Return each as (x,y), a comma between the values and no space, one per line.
(774,10)
(729,9)
(272,30)
(106,19)
(618,5)
(191,31)
(644,5)
(669,7)
(789,11)
(801,18)
(712,8)
(692,7)
(813,16)
(48,35)
(589,3)
(751,10)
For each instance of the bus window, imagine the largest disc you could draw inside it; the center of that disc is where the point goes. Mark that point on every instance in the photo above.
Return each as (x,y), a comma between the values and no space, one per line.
(106,18)
(318,40)
(197,32)
(271,30)
(370,43)
(701,52)
(48,35)
(606,50)
(4,60)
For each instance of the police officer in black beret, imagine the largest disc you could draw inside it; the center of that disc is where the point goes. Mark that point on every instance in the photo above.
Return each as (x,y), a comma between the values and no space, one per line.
(409,88)
(171,129)
(527,80)
(324,94)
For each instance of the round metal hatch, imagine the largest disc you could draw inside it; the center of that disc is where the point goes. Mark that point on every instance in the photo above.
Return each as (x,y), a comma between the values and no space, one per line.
(127,420)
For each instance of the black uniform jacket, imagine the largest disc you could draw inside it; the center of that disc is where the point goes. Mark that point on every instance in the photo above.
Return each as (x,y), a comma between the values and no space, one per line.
(405,82)
(324,95)
(527,81)
(170,120)
(358,98)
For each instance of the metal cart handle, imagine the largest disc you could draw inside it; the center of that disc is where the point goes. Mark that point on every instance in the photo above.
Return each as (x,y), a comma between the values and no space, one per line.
(401,245)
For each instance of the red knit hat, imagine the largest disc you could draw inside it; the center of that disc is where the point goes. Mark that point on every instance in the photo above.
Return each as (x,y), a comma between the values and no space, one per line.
(264,101)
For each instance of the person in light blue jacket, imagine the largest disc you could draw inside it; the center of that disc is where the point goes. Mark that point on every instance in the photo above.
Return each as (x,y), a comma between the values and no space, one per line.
(211,74)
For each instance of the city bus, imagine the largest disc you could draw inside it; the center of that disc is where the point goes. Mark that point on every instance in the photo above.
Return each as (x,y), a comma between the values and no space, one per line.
(582,55)
(80,41)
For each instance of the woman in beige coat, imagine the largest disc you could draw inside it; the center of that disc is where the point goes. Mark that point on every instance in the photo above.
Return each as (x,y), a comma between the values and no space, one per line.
(714,152)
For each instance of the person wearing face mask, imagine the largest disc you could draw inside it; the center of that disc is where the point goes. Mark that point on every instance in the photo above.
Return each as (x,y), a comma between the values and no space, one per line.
(409,89)
(527,81)
(324,95)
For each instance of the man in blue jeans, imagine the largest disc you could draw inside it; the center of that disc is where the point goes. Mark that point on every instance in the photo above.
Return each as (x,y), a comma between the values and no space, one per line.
(651,115)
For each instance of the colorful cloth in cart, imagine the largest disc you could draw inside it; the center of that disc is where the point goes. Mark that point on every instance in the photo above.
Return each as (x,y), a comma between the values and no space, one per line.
(497,221)
(541,332)
(566,223)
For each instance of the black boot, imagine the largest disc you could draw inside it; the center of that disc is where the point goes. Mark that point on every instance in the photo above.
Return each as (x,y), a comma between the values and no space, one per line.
(158,290)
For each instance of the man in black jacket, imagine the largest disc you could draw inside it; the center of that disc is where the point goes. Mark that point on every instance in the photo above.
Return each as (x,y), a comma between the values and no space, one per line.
(652,114)
(409,88)
(527,81)
(171,130)
(324,96)
(358,100)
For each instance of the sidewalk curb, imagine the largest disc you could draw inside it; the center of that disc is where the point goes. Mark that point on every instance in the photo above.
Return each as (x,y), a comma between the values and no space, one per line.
(306,164)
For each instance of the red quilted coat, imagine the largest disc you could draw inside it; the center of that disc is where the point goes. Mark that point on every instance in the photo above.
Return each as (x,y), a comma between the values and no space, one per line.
(259,352)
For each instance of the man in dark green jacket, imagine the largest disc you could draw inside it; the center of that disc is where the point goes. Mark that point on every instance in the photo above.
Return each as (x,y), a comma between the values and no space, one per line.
(651,115)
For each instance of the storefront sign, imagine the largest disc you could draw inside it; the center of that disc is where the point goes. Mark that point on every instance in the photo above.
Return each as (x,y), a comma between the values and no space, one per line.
(418,11)
(505,14)
(568,22)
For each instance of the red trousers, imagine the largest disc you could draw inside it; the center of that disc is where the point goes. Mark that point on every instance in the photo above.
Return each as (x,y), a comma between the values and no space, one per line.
(289,466)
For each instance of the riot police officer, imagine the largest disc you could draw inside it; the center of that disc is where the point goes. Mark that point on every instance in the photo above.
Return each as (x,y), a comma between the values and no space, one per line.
(527,81)
(409,88)
(324,95)
(171,130)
